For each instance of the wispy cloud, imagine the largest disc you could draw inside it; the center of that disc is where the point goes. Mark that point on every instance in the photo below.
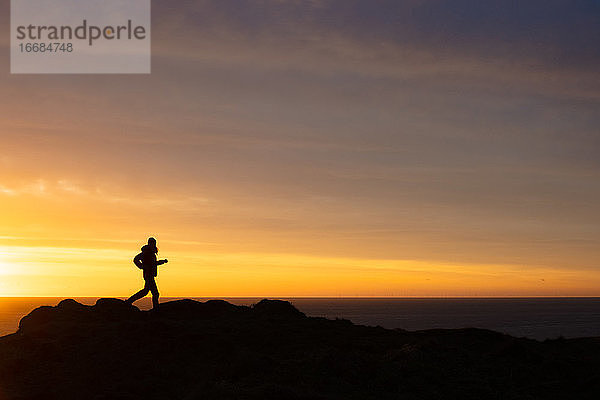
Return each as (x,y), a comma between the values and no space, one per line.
(64,187)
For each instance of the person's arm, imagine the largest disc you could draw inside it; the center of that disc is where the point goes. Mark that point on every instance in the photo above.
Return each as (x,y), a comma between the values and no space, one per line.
(137,260)
(161,262)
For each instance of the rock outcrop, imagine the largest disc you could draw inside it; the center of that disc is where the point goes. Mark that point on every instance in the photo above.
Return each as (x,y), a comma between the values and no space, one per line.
(216,350)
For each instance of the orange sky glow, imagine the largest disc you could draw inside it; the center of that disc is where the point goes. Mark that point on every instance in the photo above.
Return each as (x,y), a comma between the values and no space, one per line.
(299,158)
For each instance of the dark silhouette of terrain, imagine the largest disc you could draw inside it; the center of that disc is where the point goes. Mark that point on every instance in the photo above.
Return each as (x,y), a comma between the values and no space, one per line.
(216,350)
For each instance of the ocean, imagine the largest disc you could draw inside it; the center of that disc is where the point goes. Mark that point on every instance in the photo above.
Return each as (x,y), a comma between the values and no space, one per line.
(536,318)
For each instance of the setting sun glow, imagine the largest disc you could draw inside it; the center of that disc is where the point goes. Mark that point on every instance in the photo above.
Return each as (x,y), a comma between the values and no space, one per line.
(296,157)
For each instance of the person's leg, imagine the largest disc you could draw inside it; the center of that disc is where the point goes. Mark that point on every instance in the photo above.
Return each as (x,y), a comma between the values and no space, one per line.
(154,289)
(139,294)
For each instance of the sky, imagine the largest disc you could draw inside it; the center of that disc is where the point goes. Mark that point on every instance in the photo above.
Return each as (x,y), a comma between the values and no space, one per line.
(315,148)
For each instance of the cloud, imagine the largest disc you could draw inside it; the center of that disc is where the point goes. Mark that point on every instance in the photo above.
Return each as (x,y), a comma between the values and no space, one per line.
(449,129)
(387,36)
(64,187)
(36,188)
(7,191)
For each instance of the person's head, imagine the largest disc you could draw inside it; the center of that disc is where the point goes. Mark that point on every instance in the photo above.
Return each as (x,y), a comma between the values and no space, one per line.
(152,244)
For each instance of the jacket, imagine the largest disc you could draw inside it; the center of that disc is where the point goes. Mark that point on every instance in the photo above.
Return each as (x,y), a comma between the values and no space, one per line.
(147,261)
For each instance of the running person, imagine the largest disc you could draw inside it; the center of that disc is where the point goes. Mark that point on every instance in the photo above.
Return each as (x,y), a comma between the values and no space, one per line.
(148,262)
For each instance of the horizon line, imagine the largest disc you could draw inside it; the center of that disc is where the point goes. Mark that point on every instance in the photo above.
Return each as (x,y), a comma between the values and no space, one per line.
(317,297)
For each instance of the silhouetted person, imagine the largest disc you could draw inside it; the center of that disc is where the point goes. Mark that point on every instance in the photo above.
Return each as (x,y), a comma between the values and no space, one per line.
(147,262)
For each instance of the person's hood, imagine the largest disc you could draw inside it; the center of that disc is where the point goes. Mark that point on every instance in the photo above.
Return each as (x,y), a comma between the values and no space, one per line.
(147,248)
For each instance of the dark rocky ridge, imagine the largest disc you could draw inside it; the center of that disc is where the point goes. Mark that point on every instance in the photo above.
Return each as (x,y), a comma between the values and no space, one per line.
(216,350)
